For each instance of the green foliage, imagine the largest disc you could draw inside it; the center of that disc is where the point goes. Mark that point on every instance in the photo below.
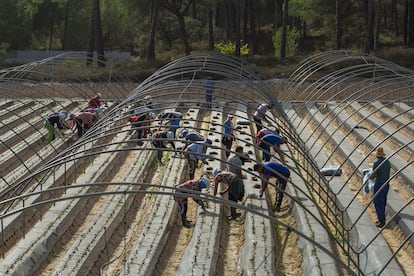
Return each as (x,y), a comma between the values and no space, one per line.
(229,48)
(3,51)
(292,36)
(116,24)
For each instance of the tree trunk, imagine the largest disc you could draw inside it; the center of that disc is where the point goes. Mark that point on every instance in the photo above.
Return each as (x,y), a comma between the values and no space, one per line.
(237,27)
(99,36)
(394,16)
(279,14)
(91,38)
(228,20)
(377,25)
(153,23)
(253,34)
(369,26)
(338,18)
(179,9)
(183,31)
(95,35)
(210,29)
(65,25)
(284,31)
(405,25)
(410,24)
(245,21)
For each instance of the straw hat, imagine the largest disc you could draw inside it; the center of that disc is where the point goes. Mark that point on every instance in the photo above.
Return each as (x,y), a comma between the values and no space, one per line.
(380,152)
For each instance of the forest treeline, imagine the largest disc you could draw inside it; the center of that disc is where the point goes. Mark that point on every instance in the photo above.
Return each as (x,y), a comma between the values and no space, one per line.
(164,29)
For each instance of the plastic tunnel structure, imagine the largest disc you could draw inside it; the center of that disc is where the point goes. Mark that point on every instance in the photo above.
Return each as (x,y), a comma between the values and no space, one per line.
(335,110)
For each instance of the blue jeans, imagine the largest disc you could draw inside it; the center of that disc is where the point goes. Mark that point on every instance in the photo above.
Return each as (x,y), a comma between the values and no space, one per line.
(266,151)
(380,200)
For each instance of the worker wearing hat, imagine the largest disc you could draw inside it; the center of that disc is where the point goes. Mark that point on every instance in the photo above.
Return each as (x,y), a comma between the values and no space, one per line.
(193,185)
(56,123)
(381,173)
(233,184)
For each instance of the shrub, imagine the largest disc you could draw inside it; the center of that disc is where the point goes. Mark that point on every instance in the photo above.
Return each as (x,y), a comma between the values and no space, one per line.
(292,37)
(229,48)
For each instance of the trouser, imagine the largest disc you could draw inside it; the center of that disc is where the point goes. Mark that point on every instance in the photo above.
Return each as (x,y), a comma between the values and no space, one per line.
(281,186)
(192,164)
(140,131)
(50,130)
(258,123)
(160,149)
(183,211)
(79,127)
(209,99)
(228,143)
(266,151)
(380,200)
(232,209)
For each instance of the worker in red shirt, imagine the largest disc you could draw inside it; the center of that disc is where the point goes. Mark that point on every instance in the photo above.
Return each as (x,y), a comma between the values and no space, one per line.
(95,102)
(82,121)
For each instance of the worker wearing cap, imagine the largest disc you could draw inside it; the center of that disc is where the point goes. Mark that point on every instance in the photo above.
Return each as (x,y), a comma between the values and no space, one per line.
(95,102)
(190,136)
(260,115)
(54,122)
(265,131)
(228,134)
(381,173)
(195,152)
(234,186)
(192,185)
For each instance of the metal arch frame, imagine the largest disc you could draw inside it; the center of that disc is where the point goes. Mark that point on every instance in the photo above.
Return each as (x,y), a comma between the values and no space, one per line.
(174,191)
(400,76)
(159,79)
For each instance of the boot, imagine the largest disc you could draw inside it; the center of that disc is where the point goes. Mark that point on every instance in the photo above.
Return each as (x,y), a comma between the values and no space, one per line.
(186,223)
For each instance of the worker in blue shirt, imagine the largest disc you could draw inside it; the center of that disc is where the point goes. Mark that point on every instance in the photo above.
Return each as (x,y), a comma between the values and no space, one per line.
(268,170)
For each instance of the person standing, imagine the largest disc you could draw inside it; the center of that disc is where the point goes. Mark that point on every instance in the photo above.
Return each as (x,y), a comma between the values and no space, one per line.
(228,135)
(274,141)
(83,121)
(209,91)
(381,173)
(95,102)
(195,152)
(260,115)
(234,185)
(158,140)
(268,170)
(54,121)
(192,185)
